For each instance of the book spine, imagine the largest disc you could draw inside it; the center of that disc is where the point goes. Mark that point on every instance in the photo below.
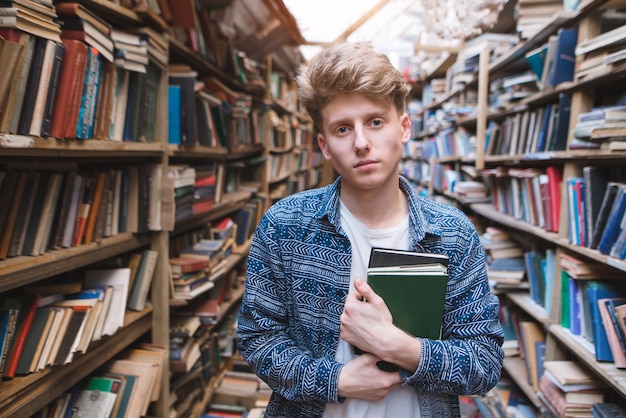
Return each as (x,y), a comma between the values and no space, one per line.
(30,93)
(43,88)
(84,129)
(20,337)
(53,90)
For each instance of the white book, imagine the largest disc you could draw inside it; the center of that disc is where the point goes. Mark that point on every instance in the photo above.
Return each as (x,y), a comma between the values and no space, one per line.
(119,279)
(42,89)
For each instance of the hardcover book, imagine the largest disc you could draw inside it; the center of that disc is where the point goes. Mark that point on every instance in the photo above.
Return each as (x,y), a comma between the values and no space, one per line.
(406,280)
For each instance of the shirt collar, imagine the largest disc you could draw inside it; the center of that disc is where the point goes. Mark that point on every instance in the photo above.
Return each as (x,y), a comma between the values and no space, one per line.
(420,224)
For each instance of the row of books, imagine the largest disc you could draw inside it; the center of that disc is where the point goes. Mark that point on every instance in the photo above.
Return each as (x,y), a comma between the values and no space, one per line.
(56,320)
(47,210)
(531,131)
(448,142)
(206,112)
(530,195)
(92,81)
(550,64)
(123,387)
(565,387)
(592,310)
(595,209)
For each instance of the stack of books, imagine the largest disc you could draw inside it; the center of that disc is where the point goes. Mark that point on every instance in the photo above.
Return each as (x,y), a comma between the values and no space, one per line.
(567,388)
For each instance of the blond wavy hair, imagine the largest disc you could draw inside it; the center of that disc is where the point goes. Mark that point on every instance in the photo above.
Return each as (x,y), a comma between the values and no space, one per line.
(349,68)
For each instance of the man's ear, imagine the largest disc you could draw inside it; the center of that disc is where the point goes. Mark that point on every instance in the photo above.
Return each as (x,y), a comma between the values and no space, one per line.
(405,121)
(322,143)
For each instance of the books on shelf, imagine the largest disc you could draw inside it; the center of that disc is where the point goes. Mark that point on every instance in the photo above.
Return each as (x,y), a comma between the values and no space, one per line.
(571,375)
(139,293)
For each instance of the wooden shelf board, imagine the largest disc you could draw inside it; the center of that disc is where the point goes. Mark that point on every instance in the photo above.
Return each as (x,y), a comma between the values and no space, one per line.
(20,271)
(517,370)
(17,145)
(528,305)
(487,210)
(231,203)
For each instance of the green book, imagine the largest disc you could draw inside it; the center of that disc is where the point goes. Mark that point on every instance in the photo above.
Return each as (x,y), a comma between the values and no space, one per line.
(415,296)
(124,394)
(565,319)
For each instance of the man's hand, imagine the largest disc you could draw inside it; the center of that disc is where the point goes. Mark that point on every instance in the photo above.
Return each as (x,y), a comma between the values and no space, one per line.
(361,378)
(366,321)
(367,324)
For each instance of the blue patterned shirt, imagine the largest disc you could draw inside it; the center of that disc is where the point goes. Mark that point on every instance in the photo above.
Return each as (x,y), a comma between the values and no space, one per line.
(297,281)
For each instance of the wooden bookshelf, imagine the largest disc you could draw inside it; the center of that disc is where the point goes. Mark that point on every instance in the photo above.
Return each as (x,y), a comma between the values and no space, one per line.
(585,93)
(27,395)
(24,396)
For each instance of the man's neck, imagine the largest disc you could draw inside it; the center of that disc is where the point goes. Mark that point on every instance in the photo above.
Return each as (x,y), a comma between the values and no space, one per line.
(377,209)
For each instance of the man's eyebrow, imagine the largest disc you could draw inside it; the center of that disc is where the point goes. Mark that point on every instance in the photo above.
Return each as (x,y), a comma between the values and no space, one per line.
(370,115)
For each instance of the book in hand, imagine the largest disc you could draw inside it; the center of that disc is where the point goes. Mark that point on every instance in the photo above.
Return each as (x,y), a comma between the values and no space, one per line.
(413,286)
(386,257)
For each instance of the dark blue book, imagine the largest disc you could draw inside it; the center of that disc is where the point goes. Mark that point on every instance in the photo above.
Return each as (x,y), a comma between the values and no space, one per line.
(536,279)
(612,228)
(508,264)
(603,213)
(596,180)
(543,133)
(135,106)
(561,128)
(608,410)
(564,61)
(574,290)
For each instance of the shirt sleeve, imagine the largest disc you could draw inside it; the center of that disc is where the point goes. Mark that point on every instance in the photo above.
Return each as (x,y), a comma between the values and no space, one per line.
(468,359)
(264,336)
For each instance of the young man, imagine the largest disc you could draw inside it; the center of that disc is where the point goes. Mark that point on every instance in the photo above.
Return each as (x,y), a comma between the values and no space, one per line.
(306,304)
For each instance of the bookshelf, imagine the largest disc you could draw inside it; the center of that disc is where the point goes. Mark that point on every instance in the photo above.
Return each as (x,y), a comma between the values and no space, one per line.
(503,165)
(237,69)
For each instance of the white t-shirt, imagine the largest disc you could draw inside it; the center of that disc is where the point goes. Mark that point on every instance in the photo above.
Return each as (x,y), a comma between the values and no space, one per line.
(402,402)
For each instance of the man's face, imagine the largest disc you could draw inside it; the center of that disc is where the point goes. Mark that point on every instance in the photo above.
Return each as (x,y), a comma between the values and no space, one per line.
(363,140)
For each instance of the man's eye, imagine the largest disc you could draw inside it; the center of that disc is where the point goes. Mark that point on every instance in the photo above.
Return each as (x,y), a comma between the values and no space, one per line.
(342,130)
(377,122)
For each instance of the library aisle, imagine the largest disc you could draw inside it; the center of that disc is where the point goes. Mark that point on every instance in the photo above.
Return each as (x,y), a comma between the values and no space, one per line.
(141,141)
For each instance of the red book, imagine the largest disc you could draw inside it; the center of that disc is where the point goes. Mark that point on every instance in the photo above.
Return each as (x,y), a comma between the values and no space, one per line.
(20,337)
(203,206)
(555,177)
(181,265)
(10,34)
(72,77)
(73,105)
(83,210)
(205,180)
